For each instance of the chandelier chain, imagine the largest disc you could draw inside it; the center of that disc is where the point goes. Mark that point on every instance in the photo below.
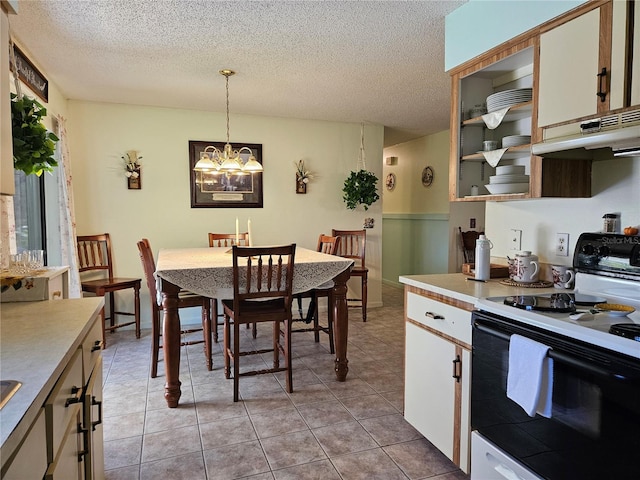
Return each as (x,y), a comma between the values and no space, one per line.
(227,78)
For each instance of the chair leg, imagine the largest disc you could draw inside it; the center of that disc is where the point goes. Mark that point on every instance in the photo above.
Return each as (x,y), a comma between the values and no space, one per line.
(214,316)
(112,306)
(136,311)
(254,330)
(316,324)
(276,344)
(364,297)
(226,332)
(206,330)
(102,319)
(287,353)
(155,342)
(236,360)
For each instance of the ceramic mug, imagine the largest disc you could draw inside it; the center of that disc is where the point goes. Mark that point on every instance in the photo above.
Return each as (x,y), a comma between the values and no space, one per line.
(562,276)
(524,268)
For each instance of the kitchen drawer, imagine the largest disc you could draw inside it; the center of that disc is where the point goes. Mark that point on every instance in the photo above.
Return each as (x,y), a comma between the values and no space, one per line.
(91,348)
(451,321)
(31,459)
(63,403)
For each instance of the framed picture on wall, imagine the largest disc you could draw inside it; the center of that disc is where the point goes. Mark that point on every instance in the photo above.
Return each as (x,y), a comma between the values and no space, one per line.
(224,190)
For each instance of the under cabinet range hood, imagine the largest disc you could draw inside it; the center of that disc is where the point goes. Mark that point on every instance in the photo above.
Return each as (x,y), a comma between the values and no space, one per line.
(619,132)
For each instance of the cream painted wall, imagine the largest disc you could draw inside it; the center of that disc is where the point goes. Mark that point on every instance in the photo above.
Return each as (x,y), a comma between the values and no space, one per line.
(409,194)
(161,212)
(423,214)
(615,188)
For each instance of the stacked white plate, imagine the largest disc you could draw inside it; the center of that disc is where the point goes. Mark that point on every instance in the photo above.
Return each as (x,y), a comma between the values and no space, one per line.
(508,98)
(515,140)
(508,179)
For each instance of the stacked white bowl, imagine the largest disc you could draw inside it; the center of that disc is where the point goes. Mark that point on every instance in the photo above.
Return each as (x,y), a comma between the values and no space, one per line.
(508,179)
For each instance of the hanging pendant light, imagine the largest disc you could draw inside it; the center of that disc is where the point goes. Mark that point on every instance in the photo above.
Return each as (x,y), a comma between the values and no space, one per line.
(212,160)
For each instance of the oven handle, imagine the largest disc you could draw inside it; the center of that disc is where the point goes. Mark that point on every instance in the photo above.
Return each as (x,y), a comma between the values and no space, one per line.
(561,357)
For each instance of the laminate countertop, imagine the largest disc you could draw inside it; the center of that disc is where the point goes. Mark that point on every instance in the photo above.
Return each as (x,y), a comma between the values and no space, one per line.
(461,287)
(37,340)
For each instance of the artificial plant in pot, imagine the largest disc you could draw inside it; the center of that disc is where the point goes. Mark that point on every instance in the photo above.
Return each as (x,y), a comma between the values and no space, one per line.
(360,189)
(33,145)
(360,186)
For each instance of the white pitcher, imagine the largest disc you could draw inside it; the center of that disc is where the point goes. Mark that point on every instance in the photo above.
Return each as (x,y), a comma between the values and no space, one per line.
(525,267)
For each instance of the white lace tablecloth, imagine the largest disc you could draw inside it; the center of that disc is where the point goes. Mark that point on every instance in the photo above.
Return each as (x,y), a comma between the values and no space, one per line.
(208,271)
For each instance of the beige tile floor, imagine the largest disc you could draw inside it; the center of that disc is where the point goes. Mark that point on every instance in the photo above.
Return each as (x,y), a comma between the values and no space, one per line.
(324,430)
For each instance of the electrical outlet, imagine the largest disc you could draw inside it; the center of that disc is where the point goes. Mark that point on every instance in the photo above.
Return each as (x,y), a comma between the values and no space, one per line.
(515,239)
(562,244)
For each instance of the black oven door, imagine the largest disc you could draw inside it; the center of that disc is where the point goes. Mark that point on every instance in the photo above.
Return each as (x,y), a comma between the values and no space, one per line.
(594,429)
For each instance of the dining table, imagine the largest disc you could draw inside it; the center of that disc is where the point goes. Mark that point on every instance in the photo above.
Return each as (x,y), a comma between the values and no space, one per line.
(208,272)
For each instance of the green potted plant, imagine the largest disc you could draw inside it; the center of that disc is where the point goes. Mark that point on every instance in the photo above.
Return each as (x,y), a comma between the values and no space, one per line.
(360,189)
(33,145)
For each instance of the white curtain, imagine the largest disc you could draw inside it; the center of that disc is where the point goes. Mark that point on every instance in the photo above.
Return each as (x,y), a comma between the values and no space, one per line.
(68,249)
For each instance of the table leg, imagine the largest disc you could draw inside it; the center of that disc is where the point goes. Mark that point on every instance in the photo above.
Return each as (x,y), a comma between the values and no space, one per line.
(171,343)
(338,302)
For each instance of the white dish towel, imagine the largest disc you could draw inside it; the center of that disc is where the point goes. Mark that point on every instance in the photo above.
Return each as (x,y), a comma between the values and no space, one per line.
(530,376)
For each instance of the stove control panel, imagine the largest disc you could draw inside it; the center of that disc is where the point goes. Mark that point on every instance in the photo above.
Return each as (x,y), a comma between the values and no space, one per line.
(608,254)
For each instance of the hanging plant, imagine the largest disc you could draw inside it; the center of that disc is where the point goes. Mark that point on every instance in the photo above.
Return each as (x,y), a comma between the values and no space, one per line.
(33,145)
(360,186)
(360,189)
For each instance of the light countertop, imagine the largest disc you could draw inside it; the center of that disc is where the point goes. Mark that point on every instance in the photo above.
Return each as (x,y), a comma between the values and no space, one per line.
(37,339)
(461,287)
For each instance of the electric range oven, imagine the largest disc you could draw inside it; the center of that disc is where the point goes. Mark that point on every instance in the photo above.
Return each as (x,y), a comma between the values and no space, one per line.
(593,431)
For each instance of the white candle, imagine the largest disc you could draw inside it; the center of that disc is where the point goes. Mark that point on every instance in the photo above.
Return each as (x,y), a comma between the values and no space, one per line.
(237,231)
(249,230)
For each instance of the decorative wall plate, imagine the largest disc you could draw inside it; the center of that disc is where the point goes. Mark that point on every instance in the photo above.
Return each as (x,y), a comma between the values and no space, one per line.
(391,181)
(427,176)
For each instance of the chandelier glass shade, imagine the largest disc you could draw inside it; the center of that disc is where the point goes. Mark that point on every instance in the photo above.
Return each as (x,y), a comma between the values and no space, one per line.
(212,160)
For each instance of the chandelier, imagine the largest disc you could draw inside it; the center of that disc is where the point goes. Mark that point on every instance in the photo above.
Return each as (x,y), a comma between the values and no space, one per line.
(228,161)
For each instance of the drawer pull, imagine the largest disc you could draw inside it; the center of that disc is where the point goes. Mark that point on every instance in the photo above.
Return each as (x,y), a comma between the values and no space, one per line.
(72,400)
(57,294)
(99,404)
(457,368)
(435,316)
(85,442)
(96,346)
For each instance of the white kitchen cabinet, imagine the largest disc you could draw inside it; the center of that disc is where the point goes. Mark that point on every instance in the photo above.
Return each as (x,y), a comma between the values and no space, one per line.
(437,373)
(48,283)
(56,428)
(589,64)
(569,64)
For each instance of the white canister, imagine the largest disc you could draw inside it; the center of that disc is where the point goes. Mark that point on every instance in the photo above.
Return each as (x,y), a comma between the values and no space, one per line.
(525,268)
(483,258)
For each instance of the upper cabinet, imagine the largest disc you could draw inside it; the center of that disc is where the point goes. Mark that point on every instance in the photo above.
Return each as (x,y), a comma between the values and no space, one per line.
(587,63)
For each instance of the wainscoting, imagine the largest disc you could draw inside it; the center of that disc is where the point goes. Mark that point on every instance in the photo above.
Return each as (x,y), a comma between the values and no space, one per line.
(414,244)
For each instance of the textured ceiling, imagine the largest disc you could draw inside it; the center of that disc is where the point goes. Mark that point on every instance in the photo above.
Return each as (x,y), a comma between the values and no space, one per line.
(356,61)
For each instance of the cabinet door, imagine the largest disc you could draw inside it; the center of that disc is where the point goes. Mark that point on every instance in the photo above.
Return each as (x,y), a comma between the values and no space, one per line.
(31,459)
(569,56)
(430,400)
(69,462)
(94,460)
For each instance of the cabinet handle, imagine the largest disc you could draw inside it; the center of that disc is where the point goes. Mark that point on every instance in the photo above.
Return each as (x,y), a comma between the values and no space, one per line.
(457,368)
(72,400)
(96,346)
(99,404)
(85,443)
(602,76)
(56,294)
(435,316)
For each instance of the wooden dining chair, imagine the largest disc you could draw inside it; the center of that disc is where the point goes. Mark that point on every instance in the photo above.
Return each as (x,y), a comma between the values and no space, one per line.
(95,264)
(468,244)
(352,245)
(226,240)
(185,300)
(328,245)
(262,292)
